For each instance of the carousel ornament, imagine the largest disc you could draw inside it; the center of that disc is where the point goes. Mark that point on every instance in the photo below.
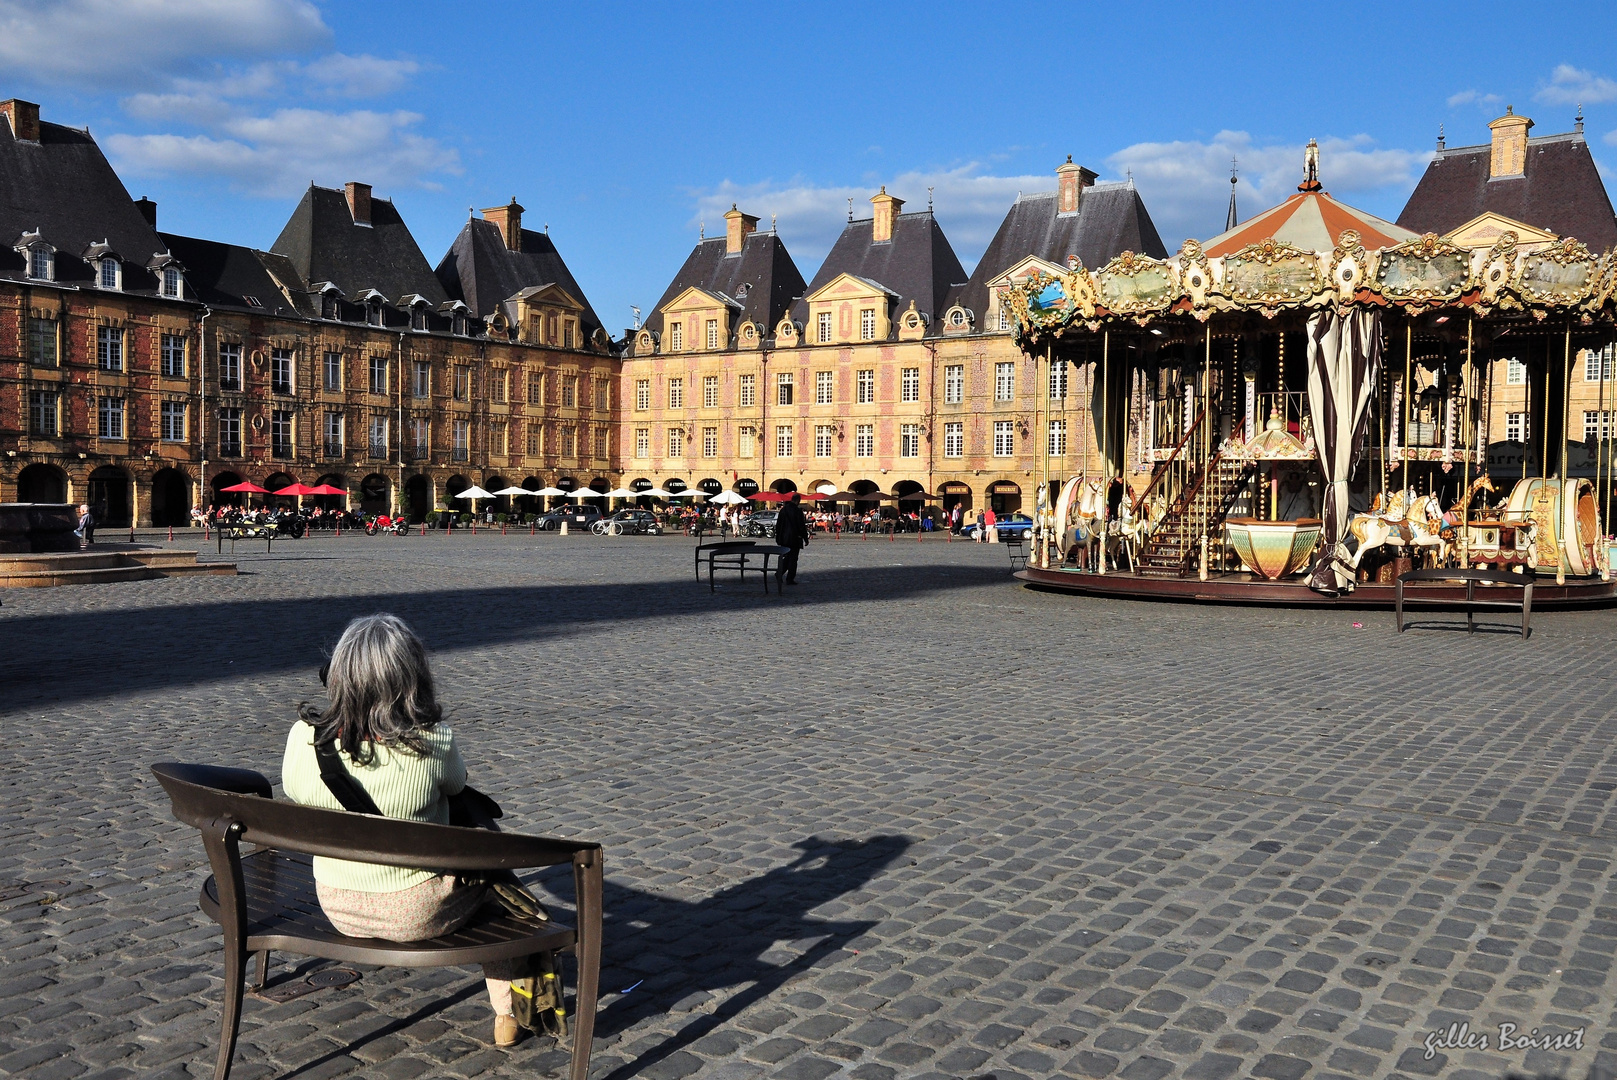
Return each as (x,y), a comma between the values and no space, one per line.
(1195,274)
(1497,272)
(1349,265)
(1393,451)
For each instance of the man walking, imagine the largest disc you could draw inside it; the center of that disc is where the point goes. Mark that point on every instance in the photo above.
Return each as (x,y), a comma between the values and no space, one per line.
(791,531)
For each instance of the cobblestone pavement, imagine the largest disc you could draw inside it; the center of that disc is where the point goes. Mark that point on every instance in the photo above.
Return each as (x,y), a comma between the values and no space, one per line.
(908,820)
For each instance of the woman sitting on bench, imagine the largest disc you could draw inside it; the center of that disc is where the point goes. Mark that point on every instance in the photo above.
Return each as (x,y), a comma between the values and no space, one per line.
(385,721)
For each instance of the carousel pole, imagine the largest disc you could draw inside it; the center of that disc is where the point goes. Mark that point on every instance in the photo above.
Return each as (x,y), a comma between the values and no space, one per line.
(1207,441)
(1566,418)
(1470,433)
(1409,354)
(1381,425)
(1105,450)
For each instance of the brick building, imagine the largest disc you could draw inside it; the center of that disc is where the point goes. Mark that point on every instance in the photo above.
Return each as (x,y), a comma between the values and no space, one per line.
(142,371)
(892,370)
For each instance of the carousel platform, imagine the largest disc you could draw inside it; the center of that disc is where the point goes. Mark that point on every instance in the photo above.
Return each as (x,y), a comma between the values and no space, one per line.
(1245,588)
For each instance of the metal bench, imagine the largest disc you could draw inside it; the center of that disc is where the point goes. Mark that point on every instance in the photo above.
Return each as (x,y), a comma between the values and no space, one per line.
(709,549)
(1522,581)
(265,533)
(265,900)
(743,557)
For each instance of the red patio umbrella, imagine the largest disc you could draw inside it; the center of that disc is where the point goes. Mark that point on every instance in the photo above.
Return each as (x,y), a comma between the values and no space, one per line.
(326,489)
(773,496)
(247,485)
(299,489)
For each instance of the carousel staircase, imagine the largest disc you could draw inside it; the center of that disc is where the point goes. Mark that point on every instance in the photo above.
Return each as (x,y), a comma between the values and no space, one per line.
(1173,547)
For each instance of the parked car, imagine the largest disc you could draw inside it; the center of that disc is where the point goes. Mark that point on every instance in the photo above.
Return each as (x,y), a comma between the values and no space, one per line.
(629,523)
(1011,525)
(577,517)
(761,524)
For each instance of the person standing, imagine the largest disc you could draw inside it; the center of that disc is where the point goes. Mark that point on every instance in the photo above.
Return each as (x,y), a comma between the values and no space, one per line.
(988,533)
(791,531)
(86,530)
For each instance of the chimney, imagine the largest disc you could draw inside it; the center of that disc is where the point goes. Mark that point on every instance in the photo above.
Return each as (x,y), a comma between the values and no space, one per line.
(148,210)
(737,227)
(1070,183)
(359,202)
(24,118)
(508,219)
(887,209)
(1509,156)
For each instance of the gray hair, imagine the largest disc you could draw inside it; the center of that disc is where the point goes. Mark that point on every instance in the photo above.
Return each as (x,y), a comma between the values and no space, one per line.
(380,690)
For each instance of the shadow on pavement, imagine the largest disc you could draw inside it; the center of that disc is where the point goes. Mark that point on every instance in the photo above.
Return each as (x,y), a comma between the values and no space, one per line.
(238,639)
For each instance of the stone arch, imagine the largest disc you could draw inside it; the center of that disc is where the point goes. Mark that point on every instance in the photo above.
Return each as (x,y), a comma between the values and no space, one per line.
(376,494)
(221,497)
(418,498)
(42,483)
(745,486)
(170,498)
(110,496)
(784,486)
(1004,497)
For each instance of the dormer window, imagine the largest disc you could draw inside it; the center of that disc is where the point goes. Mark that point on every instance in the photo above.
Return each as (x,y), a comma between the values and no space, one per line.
(457,325)
(328,306)
(171,282)
(108,274)
(418,318)
(373,313)
(41,264)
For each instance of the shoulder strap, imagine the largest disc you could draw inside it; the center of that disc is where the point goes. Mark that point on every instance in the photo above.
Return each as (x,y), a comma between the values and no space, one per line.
(342,785)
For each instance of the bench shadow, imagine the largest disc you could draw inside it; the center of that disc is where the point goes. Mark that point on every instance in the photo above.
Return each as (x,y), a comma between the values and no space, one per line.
(677,954)
(1507,629)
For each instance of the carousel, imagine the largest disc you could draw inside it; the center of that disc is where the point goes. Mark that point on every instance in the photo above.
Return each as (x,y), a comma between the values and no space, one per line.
(1297,412)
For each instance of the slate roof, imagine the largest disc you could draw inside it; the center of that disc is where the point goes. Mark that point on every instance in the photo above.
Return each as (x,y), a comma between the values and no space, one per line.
(324,244)
(224,275)
(1111,219)
(916,264)
(63,187)
(481,271)
(763,266)
(1561,191)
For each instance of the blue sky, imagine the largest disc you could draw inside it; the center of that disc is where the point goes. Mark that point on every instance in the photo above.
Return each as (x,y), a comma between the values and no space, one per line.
(624,126)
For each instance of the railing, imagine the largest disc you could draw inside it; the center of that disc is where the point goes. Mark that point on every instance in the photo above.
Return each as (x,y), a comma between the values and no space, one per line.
(1161,470)
(379,450)
(333,448)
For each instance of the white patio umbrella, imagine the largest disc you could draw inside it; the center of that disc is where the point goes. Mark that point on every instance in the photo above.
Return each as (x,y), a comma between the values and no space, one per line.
(585,493)
(622,493)
(657,493)
(729,498)
(517,491)
(474,493)
(827,489)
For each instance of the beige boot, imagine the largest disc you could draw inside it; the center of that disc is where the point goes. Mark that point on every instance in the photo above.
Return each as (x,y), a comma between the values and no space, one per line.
(506,1031)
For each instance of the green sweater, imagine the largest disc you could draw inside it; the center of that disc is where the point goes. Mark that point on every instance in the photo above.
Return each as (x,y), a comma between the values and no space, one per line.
(401,784)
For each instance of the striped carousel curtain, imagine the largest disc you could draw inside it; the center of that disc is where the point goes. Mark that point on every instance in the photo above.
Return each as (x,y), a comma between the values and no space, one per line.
(1344,367)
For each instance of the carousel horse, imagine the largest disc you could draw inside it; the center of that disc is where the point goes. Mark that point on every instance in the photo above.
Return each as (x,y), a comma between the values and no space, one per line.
(1133,531)
(1087,521)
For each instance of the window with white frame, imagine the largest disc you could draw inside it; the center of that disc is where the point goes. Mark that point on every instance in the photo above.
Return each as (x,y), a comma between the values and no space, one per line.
(463,382)
(331,370)
(954,440)
(569,441)
(676,393)
(603,393)
(536,437)
(43,411)
(462,449)
(171,421)
(954,384)
(713,333)
(1597,424)
(281,371)
(909,440)
(1058,438)
(1004,381)
(171,282)
(109,348)
(109,273)
(824,334)
(281,433)
(41,264)
(710,391)
(642,395)
(43,342)
(421,429)
(710,442)
(378,436)
(1004,439)
(230,432)
(824,435)
(171,355)
(1004,317)
(824,387)
(1515,372)
(867,324)
(229,366)
(909,384)
(783,441)
(536,388)
(1058,380)
(865,383)
(642,442)
(747,442)
(499,439)
(601,442)
(1597,364)
(379,366)
(1517,427)
(783,388)
(676,336)
(864,440)
(676,442)
(333,434)
(498,385)
(747,391)
(423,379)
(569,392)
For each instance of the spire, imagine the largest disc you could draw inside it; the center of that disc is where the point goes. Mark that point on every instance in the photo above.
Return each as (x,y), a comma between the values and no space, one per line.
(1310,168)
(1231,220)
(1577,125)
(1440,136)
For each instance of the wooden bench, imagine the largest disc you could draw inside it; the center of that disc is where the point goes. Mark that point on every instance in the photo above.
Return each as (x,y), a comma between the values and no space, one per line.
(265,533)
(1522,581)
(709,550)
(743,557)
(265,900)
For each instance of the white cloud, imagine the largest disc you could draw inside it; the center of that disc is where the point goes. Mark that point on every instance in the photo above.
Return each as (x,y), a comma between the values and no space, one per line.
(1574,86)
(1473,97)
(1185,184)
(278,155)
(360,76)
(969,202)
(132,45)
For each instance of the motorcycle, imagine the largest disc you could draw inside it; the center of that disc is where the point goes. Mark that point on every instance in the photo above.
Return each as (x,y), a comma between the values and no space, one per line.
(293,525)
(382,523)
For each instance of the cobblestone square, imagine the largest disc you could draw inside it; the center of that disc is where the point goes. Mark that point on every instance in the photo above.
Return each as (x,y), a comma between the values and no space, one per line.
(907,820)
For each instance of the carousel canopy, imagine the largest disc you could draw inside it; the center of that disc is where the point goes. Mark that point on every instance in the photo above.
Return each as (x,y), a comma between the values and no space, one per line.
(1310,220)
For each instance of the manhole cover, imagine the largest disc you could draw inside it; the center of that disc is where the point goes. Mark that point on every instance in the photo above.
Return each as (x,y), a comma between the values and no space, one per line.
(333,977)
